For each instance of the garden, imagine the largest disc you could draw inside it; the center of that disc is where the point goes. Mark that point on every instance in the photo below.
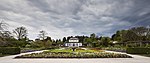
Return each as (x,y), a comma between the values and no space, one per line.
(78,53)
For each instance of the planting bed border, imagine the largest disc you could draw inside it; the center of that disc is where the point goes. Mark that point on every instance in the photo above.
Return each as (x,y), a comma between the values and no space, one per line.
(111,56)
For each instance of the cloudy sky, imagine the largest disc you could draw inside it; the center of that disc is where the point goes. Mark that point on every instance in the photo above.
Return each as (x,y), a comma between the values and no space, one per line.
(61,18)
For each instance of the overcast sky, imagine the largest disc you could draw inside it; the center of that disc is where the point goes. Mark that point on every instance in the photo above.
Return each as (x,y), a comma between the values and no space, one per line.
(61,18)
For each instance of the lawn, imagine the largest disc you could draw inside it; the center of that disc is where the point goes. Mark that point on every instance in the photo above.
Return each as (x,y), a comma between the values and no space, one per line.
(77,50)
(78,53)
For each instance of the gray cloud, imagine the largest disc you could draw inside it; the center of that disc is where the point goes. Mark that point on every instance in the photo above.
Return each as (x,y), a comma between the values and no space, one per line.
(75,17)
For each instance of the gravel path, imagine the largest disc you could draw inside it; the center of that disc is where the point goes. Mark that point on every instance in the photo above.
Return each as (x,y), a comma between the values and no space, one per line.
(135,59)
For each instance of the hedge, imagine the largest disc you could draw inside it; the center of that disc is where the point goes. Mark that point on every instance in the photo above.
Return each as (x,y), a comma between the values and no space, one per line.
(138,50)
(9,50)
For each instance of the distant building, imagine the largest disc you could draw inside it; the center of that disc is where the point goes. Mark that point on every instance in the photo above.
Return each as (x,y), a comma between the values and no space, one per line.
(73,42)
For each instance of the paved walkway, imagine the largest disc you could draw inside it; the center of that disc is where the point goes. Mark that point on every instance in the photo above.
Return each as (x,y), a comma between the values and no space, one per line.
(136,59)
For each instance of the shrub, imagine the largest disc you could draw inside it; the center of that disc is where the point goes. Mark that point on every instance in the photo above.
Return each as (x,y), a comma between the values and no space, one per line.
(9,50)
(138,50)
(1,55)
(118,49)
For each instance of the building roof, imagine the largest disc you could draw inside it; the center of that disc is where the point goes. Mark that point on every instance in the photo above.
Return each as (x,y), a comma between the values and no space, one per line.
(73,42)
(73,39)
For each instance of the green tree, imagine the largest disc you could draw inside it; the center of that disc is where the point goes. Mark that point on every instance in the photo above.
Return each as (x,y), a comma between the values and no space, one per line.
(105,41)
(48,44)
(131,36)
(48,38)
(118,36)
(88,42)
(64,39)
(141,33)
(93,35)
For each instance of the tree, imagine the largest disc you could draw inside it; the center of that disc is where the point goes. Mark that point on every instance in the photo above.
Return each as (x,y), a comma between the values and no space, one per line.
(3,25)
(119,36)
(93,35)
(59,42)
(64,39)
(48,44)
(113,37)
(140,31)
(81,38)
(123,34)
(88,42)
(3,33)
(131,36)
(42,34)
(21,32)
(6,35)
(48,38)
(105,41)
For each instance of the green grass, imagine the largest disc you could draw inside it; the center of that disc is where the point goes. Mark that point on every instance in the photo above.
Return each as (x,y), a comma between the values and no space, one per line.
(70,50)
(57,50)
(24,50)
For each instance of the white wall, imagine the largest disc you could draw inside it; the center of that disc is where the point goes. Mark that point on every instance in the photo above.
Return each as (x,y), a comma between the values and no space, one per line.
(73,44)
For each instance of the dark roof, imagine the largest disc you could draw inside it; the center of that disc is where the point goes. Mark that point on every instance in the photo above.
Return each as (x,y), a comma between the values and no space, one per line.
(73,42)
(73,39)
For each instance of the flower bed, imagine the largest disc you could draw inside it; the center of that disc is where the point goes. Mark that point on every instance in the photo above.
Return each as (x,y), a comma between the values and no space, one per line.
(74,55)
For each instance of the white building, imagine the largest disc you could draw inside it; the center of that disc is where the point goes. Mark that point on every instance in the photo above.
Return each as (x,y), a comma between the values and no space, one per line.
(73,42)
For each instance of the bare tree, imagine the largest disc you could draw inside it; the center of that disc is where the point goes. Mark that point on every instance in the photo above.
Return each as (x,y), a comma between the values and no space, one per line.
(21,32)
(42,34)
(7,34)
(3,25)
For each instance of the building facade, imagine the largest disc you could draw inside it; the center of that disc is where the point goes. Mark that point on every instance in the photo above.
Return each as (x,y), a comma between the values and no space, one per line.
(73,42)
